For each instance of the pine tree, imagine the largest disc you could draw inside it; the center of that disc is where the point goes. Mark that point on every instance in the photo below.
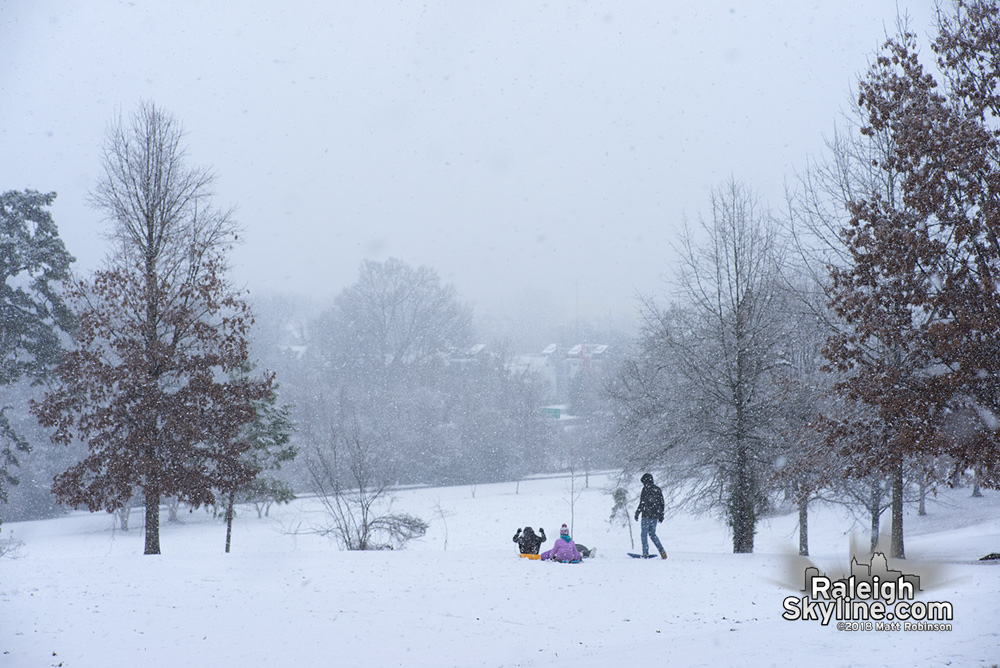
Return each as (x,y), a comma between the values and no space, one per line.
(269,437)
(33,262)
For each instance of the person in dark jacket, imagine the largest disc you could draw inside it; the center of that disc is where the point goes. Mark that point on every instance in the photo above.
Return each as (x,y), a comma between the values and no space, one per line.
(528,542)
(651,509)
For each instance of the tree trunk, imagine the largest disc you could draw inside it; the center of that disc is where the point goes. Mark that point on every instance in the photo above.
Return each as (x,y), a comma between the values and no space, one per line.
(803,525)
(229,519)
(741,511)
(876,511)
(975,485)
(896,547)
(123,514)
(921,506)
(152,522)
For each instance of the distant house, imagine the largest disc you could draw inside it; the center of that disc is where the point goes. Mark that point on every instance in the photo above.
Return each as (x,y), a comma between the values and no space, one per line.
(466,356)
(584,355)
(543,368)
(554,367)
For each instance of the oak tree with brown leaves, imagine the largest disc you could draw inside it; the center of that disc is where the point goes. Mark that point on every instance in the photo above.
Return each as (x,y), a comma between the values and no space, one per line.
(149,383)
(922,289)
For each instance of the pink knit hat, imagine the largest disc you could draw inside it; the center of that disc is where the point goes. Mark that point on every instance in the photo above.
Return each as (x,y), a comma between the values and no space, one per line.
(564,531)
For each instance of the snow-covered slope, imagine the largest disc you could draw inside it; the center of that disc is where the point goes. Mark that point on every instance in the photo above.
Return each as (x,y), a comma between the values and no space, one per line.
(78,594)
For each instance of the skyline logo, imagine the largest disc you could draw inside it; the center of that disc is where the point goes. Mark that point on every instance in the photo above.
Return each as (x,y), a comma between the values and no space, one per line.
(866,581)
(872,597)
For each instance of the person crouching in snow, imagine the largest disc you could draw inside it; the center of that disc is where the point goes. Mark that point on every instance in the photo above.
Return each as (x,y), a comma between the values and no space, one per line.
(564,550)
(529,543)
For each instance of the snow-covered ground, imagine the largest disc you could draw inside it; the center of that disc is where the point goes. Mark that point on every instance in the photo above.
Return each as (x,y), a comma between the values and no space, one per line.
(79,594)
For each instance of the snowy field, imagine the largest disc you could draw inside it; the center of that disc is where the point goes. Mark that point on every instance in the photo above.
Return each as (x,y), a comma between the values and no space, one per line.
(79,594)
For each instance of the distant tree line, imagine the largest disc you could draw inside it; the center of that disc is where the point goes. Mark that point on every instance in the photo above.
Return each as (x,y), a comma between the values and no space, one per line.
(387,366)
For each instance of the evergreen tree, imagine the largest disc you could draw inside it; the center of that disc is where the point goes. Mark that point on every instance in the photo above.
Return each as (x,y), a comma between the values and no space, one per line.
(269,437)
(33,261)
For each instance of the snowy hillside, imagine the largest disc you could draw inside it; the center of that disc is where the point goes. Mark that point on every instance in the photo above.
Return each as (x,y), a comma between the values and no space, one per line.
(79,594)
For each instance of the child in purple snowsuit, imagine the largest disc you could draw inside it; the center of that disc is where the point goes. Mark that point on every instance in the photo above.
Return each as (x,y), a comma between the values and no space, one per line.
(564,549)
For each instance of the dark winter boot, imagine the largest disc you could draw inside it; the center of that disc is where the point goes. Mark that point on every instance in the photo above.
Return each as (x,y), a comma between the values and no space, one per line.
(663,554)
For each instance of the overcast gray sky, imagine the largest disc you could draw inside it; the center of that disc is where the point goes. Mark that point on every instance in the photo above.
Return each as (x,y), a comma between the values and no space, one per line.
(521,149)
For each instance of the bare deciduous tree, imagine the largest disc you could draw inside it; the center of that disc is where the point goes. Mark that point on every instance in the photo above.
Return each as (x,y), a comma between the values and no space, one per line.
(695,395)
(352,482)
(394,354)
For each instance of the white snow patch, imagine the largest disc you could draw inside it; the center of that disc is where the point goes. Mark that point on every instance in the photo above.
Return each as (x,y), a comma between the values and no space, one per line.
(81,595)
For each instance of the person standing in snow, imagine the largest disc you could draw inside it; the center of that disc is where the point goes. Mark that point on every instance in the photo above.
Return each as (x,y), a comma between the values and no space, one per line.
(564,550)
(528,542)
(651,509)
